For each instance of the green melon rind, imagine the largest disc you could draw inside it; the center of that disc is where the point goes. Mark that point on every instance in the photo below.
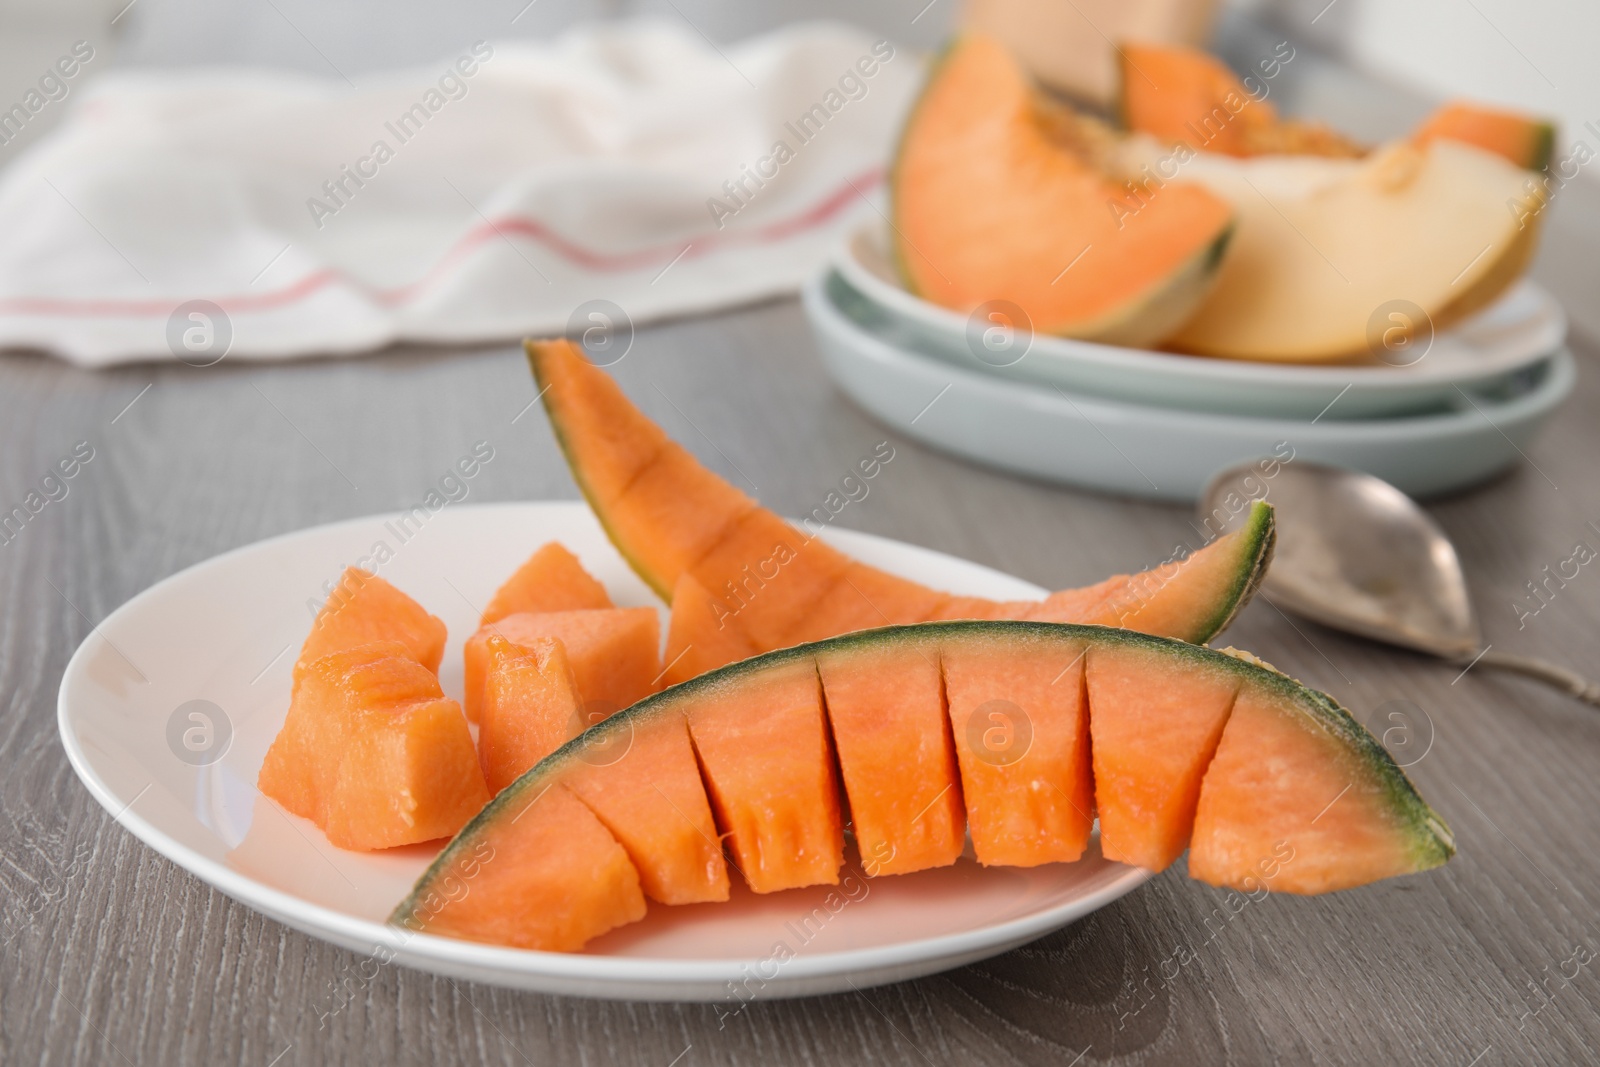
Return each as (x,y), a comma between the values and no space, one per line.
(1544,147)
(1428,837)
(1169,302)
(1256,546)
(574,464)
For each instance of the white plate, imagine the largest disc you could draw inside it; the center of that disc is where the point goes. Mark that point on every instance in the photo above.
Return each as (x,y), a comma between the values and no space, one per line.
(1134,449)
(228,631)
(1523,327)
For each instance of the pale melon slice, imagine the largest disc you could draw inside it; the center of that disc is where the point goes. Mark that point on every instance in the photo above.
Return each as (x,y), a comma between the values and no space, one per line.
(1323,244)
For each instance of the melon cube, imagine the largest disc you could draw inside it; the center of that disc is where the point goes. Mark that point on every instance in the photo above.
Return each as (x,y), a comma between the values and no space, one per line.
(615,654)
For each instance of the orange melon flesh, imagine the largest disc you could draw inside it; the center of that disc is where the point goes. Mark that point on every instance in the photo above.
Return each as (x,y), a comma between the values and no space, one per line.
(364,608)
(768,768)
(1296,803)
(702,634)
(1021,733)
(530,707)
(550,877)
(886,707)
(644,784)
(646,482)
(770,575)
(1154,725)
(372,752)
(988,206)
(1525,141)
(865,597)
(551,580)
(783,587)
(1297,796)
(1182,95)
(614,653)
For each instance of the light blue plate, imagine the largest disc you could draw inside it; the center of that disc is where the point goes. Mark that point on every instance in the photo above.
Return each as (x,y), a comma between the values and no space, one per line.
(1135,449)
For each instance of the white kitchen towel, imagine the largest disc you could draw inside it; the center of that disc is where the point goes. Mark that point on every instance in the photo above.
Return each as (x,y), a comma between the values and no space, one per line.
(501,191)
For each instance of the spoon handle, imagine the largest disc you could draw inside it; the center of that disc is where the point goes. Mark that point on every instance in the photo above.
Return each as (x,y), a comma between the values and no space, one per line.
(1545,671)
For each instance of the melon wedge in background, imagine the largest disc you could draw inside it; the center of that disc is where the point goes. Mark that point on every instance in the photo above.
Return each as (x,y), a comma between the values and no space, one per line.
(1185,95)
(1523,140)
(1269,784)
(1324,244)
(761,584)
(988,205)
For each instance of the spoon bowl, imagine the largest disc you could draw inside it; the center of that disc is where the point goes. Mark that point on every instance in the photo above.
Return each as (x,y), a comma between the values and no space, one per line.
(1356,554)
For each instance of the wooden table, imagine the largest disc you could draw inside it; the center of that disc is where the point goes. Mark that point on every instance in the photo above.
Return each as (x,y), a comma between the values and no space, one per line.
(111,954)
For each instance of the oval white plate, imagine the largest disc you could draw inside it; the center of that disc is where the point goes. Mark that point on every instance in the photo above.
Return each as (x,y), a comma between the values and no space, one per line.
(1139,450)
(1523,327)
(228,631)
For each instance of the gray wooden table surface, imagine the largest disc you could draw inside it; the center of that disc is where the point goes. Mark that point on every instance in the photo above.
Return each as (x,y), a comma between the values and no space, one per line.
(111,954)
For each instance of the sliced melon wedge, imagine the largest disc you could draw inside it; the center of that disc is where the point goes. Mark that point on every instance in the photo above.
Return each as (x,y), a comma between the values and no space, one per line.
(1325,245)
(1269,784)
(1182,95)
(1525,141)
(761,584)
(988,205)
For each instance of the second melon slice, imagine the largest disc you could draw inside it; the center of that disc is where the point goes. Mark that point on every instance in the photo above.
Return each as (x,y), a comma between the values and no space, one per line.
(988,205)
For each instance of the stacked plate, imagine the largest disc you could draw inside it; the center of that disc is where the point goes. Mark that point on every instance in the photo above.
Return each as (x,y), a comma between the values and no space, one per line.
(1463,406)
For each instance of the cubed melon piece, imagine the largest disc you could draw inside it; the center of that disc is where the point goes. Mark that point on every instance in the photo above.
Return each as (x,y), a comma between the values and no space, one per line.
(374,753)
(615,654)
(703,633)
(530,707)
(551,580)
(364,608)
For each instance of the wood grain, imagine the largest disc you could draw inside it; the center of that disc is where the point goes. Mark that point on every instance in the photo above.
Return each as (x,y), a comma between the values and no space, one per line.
(113,955)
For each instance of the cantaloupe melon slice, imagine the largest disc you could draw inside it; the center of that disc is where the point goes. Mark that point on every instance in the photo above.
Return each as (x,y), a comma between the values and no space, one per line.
(1021,730)
(1302,799)
(364,608)
(988,205)
(1296,797)
(886,706)
(1181,95)
(1525,141)
(373,752)
(643,781)
(614,653)
(530,707)
(1324,245)
(551,580)
(782,586)
(1156,721)
(546,874)
(780,813)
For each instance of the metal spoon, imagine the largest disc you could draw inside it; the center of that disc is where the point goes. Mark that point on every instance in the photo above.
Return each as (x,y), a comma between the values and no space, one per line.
(1357,554)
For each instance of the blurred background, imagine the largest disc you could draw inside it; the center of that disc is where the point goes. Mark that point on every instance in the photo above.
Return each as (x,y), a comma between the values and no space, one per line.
(1533,55)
